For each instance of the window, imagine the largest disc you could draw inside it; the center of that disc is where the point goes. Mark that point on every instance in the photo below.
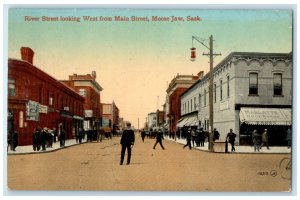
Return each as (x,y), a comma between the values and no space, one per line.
(277,84)
(199,101)
(51,97)
(221,90)
(82,92)
(228,86)
(204,97)
(253,84)
(191,105)
(11,87)
(188,106)
(195,106)
(215,92)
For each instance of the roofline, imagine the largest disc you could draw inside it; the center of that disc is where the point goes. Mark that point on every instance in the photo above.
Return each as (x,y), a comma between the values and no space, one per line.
(231,55)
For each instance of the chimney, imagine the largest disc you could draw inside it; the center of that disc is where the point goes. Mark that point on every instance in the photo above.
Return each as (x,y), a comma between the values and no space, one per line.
(27,54)
(94,74)
(200,74)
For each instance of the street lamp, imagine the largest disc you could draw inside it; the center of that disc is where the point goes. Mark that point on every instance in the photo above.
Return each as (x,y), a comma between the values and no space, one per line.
(211,55)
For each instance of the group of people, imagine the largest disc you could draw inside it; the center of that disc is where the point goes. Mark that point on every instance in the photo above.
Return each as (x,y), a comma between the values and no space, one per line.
(44,138)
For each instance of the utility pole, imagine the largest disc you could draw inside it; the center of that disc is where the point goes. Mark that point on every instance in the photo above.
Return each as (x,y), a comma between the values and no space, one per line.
(138,124)
(211,55)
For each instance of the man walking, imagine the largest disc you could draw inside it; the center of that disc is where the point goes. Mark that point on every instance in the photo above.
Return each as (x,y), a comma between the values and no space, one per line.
(265,139)
(256,140)
(127,141)
(188,139)
(159,137)
(143,134)
(231,139)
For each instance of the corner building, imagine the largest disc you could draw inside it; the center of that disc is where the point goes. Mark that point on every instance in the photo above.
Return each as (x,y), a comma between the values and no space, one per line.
(36,99)
(250,91)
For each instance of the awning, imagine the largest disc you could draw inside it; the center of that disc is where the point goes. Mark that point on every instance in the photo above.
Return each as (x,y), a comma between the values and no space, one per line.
(181,122)
(188,121)
(266,116)
(192,121)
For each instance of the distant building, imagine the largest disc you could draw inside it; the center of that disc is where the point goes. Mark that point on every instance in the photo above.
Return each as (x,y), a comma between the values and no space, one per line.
(152,120)
(110,115)
(36,99)
(178,85)
(251,91)
(89,88)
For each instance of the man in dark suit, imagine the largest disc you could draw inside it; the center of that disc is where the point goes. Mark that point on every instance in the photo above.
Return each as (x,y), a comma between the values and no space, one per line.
(127,141)
(159,137)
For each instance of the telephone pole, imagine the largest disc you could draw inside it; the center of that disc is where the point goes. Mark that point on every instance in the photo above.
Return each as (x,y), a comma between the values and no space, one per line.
(211,55)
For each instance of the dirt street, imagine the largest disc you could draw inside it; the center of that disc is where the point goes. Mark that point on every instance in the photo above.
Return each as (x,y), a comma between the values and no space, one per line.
(95,166)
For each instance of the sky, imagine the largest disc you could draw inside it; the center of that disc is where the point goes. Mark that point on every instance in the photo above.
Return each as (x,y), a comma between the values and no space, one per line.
(135,61)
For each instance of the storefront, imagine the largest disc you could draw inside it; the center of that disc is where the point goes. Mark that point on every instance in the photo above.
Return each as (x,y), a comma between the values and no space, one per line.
(276,120)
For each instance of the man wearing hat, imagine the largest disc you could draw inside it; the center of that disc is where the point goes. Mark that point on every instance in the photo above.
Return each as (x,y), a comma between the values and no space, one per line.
(127,141)
(265,139)
(159,137)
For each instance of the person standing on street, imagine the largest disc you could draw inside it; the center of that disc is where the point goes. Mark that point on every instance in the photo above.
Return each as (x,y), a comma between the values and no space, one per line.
(216,135)
(188,139)
(127,141)
(143,134)
(231,139)
(62,136)
(265,139)
(193,133)
(256,140)
(15,140)
(159,137)
(35,140)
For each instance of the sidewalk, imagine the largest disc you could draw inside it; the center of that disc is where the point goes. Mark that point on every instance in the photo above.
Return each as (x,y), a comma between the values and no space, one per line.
(239,149)
(29,149)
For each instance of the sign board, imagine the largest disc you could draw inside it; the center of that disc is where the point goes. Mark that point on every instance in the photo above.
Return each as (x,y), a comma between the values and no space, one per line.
(43,109)
(88,113)
(32,111)
(66,108)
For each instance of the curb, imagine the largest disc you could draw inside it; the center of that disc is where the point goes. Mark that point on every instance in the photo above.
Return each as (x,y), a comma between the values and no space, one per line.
(40,152)
(280,153)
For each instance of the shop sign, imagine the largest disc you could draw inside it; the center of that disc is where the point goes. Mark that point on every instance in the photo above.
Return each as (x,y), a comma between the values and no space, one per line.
(88,113)
(32,111)
(43,109)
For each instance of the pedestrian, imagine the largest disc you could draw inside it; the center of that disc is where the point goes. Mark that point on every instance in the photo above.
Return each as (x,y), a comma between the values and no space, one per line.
(44,135)
(289,138)
(202,137)
(256,140)
(62,137)
(55,136)
(9,141)
(216,135)
(265,139)
(80,135)
(231,139)
(188,139)
(193,133)
(15,140)
(76,135)
(51,138)
(127,142)
(159,137)
(35,139)
(143,134)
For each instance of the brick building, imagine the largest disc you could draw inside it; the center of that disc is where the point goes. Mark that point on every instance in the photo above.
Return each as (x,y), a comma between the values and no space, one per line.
(110,115)
(251,91)
(178,86)
(36,99)
(89,88)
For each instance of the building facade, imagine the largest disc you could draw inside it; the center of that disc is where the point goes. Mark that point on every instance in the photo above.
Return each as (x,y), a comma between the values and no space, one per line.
(176,88)
(250,91)
(110,115)
(89,88)
(37,100)
(152,120)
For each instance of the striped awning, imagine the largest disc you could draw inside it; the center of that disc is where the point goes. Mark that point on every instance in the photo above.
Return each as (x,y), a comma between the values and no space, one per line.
(187,121)
(265,116)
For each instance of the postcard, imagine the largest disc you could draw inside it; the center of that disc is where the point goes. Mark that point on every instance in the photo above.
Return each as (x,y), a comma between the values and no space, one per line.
(137,99)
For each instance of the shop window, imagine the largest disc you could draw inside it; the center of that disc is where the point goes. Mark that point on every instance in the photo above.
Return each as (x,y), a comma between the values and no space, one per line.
(277,84)
(253,84)
(11,87)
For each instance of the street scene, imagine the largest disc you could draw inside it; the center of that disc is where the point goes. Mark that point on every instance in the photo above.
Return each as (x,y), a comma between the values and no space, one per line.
(149,100)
